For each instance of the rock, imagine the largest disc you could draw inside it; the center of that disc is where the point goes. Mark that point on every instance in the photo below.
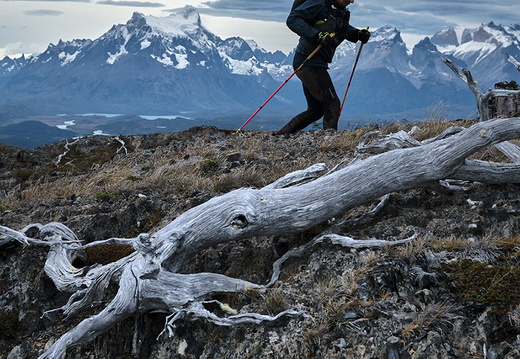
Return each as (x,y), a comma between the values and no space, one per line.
(389,303)
(18,352)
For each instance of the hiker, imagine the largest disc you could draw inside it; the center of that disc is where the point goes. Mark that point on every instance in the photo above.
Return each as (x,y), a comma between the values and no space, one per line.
(326,23)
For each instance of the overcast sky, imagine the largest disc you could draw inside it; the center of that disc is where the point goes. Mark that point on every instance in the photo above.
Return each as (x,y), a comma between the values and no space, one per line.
(29,26)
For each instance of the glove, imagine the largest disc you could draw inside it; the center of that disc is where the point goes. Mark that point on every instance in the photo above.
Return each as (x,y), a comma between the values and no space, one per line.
(325,38)
(363,36)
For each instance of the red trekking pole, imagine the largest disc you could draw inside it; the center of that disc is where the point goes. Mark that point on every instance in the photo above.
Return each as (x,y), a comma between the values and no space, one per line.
(279,88)
(350,80)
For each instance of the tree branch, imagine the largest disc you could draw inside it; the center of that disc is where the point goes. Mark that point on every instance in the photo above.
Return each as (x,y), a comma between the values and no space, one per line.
(148,278)
(514,62)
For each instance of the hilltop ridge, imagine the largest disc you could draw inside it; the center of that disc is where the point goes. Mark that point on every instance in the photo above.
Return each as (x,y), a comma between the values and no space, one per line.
(453,293)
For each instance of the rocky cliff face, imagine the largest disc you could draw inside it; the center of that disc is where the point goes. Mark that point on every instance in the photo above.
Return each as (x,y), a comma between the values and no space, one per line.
(453,293)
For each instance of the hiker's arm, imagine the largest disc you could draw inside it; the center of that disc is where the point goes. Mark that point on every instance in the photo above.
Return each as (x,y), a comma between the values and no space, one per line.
(300,18)
(351,33)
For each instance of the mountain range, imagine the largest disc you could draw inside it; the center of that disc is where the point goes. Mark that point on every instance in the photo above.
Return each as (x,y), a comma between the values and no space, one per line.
(174,66)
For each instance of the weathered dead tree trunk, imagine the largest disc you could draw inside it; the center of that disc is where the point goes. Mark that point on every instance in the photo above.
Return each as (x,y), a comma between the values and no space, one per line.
(495,103)
(514,62)
(149,279)
(487,103)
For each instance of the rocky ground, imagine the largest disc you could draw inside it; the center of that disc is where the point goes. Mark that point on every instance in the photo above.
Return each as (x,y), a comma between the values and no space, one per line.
(452,293)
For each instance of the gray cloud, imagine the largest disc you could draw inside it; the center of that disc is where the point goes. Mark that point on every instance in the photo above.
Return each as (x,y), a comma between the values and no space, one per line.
(131,3)
(43,12)
(271,10)
(82,1)
(416,16)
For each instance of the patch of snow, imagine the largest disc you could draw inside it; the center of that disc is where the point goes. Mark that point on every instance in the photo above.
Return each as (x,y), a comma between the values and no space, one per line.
(145,44)
(471,48)
(164,59)
(67,58)
(112,58)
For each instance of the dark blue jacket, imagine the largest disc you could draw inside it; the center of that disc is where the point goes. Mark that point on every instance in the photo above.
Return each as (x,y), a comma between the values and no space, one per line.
(313,16)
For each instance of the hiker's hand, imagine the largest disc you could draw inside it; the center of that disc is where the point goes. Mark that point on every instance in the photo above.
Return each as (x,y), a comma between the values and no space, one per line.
(363,35)
(325,38)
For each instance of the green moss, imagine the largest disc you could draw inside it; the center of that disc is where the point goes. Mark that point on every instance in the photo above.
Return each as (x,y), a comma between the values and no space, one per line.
(107,253)
(5,207)
(209,165)
(495,286)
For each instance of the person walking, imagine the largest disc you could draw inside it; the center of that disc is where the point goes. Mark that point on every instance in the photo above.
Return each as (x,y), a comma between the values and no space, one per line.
(325,23)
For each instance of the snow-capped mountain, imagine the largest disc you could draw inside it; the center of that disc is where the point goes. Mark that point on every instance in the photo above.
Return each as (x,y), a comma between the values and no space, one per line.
(390,80)
(158,65)
(148,65)
(484,50)
(9,67)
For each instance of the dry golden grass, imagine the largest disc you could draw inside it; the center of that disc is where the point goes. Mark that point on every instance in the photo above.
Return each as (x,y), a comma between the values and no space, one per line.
(434,314)
(181,164)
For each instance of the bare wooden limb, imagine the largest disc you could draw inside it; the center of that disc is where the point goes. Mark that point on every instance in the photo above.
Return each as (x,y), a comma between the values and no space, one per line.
(482,99)
(514,62)
(488,172)
(298,176)
(129,242)
(197,311)
(509,149)
(120,308)
(67,149)
(7,235)
(365,217)
(446,133)
(385,143)
(123,145)
(149,279)
(488,103)
(333,239)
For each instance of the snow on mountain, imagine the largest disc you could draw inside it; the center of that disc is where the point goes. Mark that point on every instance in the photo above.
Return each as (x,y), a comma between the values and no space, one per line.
(172,64)
(8,65)
(483,50)
(388,49)
(148,65)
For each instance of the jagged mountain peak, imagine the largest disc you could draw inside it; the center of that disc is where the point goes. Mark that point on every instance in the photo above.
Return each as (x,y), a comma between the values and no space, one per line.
(445,38)
(425,58)
(426,43)
(490,33)
(391,50)
(386,33)
(185,21)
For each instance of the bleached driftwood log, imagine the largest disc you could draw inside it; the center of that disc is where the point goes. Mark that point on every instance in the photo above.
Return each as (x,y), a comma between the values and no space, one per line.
(149,279)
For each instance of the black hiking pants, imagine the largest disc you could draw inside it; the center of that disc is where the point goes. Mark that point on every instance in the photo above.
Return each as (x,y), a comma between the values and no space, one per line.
(322,101)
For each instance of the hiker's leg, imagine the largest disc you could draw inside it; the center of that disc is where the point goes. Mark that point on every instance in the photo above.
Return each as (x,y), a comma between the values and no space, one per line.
(320,85)
(313,113)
